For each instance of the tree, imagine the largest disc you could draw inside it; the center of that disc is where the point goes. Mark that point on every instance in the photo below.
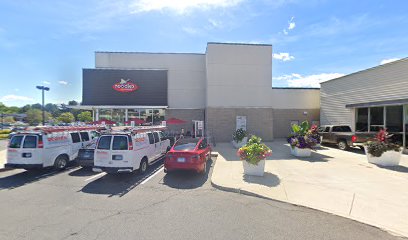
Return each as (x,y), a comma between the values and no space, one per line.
(66,117)
(9,119)
(53,109)
(34,116)
(72,103)
(85,116)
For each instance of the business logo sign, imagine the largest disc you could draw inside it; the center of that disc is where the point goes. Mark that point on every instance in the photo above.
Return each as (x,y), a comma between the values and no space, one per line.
(125,86)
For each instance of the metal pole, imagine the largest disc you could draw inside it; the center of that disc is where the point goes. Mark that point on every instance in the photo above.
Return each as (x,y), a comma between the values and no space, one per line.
(43,108)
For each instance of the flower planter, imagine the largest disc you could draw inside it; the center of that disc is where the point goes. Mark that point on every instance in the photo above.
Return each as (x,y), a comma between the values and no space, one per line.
(254,170)
(300,152)
(241,143)
(388,158)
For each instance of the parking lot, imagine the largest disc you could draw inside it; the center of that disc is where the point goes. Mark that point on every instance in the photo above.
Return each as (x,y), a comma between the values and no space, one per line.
(80,204)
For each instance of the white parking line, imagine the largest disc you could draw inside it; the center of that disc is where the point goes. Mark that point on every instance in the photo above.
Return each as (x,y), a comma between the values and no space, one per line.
(96,176)
(151,176)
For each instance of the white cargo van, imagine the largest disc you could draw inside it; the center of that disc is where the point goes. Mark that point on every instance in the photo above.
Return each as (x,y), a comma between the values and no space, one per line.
(129,151)
(48,146)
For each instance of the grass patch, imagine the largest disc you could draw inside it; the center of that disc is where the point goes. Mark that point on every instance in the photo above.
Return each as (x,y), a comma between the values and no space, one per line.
(4,136)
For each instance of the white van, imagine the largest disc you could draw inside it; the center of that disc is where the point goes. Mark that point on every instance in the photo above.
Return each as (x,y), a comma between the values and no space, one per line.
(126,152)
(48,146)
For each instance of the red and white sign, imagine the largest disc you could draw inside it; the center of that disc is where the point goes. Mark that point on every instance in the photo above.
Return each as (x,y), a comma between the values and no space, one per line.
(125,86)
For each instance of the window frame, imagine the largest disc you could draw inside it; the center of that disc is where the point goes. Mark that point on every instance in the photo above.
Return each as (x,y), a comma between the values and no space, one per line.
(110,142)
(87,136)
(120,136)
(72,137)
(35,141)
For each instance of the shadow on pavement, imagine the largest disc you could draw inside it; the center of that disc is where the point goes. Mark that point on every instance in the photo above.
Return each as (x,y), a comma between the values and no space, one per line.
(82,172)
(268,179)
(27,177)
(398,168)
(121,183)
(187,179)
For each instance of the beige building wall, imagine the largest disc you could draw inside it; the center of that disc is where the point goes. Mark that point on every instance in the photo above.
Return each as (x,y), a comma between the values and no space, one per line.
(381,83)
(187,115)
(282,119)
(186,73)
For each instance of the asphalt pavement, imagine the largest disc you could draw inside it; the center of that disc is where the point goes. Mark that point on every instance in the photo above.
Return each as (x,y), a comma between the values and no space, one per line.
(79,204)
(3,144)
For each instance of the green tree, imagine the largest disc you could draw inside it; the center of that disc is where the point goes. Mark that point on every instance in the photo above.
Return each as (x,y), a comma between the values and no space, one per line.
(73,103)
(9,119)
(66,117)
(85,116)
(34,116)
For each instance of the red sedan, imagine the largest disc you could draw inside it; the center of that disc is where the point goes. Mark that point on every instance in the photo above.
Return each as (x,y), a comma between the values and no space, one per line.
(188,154)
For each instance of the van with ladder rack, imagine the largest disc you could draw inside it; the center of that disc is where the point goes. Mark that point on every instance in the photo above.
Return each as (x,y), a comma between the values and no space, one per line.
(130,150)
(42,147)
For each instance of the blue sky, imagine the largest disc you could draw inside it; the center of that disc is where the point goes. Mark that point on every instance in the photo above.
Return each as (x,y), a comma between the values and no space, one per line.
(49,42)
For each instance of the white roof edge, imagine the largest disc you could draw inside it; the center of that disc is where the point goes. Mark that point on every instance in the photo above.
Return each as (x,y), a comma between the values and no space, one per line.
(91,107)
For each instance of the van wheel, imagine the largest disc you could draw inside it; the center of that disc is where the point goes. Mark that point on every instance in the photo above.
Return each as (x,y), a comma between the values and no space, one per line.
(60,163)
(143,166)
(342,145)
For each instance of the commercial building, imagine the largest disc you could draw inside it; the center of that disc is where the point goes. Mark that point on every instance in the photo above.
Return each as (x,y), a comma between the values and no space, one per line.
(229,83)
(369,100)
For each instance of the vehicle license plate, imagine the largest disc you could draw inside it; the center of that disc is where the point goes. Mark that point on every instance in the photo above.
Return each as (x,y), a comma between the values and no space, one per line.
(181,159)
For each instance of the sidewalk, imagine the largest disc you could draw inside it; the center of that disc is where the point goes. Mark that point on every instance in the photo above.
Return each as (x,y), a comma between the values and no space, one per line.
(331,180)
(2,158)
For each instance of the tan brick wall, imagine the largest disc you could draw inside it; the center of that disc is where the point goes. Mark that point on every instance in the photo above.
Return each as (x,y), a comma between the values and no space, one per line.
(283,117)
(221,122)
(187,115)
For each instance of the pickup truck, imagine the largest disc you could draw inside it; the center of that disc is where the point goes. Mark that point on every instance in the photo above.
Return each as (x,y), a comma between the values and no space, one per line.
(343,136)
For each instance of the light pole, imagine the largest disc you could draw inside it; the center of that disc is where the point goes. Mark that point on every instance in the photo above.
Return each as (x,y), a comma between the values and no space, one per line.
(42,88)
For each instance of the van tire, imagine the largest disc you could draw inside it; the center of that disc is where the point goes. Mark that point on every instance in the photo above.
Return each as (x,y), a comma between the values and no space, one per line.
(61,162)
(143,166)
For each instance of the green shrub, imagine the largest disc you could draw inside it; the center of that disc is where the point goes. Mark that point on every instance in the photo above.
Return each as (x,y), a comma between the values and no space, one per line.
(4,136)
(239,135)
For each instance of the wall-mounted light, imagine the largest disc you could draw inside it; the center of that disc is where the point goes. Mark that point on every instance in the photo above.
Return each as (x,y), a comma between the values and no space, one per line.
(304,113)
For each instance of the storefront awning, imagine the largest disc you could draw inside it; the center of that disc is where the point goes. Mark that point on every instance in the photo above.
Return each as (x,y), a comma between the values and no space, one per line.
(92,107)
(379,103)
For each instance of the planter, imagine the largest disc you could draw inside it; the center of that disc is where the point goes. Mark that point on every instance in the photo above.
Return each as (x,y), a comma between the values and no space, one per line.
(300,152)
(254,170)
(388,158)
(241,143)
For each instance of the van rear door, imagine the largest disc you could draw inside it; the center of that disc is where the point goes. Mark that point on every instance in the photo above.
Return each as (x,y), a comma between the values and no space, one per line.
(14,149)
(24,149)
(102,151)
(121,150)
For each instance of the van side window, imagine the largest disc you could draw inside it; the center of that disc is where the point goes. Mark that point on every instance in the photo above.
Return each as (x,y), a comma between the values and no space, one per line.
(156,137)
(104,142)
(84,136)
(75,137)
(30,142)
(151,139)
(94,134)
(120,143)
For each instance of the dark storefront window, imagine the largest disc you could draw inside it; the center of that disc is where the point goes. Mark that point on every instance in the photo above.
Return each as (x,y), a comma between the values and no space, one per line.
(394,119)
(362,120)
(376,119)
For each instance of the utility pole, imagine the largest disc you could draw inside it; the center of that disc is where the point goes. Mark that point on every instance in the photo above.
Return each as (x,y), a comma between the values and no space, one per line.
(43,88)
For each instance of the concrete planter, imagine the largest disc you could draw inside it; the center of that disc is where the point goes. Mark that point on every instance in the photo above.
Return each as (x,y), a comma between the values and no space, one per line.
(300,152)
(254,170)
(388,158)
(240,144)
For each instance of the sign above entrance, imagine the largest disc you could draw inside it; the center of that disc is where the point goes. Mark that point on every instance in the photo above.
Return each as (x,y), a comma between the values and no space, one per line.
(125,86)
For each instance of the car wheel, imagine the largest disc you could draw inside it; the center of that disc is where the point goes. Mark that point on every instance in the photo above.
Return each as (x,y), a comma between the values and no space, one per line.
(143,166)
(342,145)
(60,163)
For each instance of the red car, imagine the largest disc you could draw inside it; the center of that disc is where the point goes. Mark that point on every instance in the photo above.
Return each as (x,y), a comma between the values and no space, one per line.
(188,154)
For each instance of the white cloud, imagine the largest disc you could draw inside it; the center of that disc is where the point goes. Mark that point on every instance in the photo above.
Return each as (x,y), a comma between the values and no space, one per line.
(9,98)
(292,24)
(297,80)
(63,82)
(180,6)
(385,61)
(283,56)
(46,82)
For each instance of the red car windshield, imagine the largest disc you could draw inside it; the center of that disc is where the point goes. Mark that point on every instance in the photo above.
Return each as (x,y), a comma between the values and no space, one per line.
(186,144)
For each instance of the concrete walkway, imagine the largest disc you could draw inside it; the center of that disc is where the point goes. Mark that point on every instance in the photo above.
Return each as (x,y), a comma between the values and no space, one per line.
(2,158)
(331,180)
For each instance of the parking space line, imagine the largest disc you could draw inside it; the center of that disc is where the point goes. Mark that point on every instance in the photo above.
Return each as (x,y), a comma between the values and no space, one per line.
(151,176)
(96,176)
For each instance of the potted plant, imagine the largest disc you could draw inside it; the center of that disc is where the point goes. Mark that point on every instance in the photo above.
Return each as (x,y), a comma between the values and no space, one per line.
(381,151)
(303,139)
(239,138)
(253,155)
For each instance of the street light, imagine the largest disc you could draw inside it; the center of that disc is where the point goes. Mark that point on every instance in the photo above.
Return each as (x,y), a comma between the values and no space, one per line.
(42,88)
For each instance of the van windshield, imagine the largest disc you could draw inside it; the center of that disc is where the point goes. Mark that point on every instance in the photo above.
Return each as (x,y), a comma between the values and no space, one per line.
(15,141)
